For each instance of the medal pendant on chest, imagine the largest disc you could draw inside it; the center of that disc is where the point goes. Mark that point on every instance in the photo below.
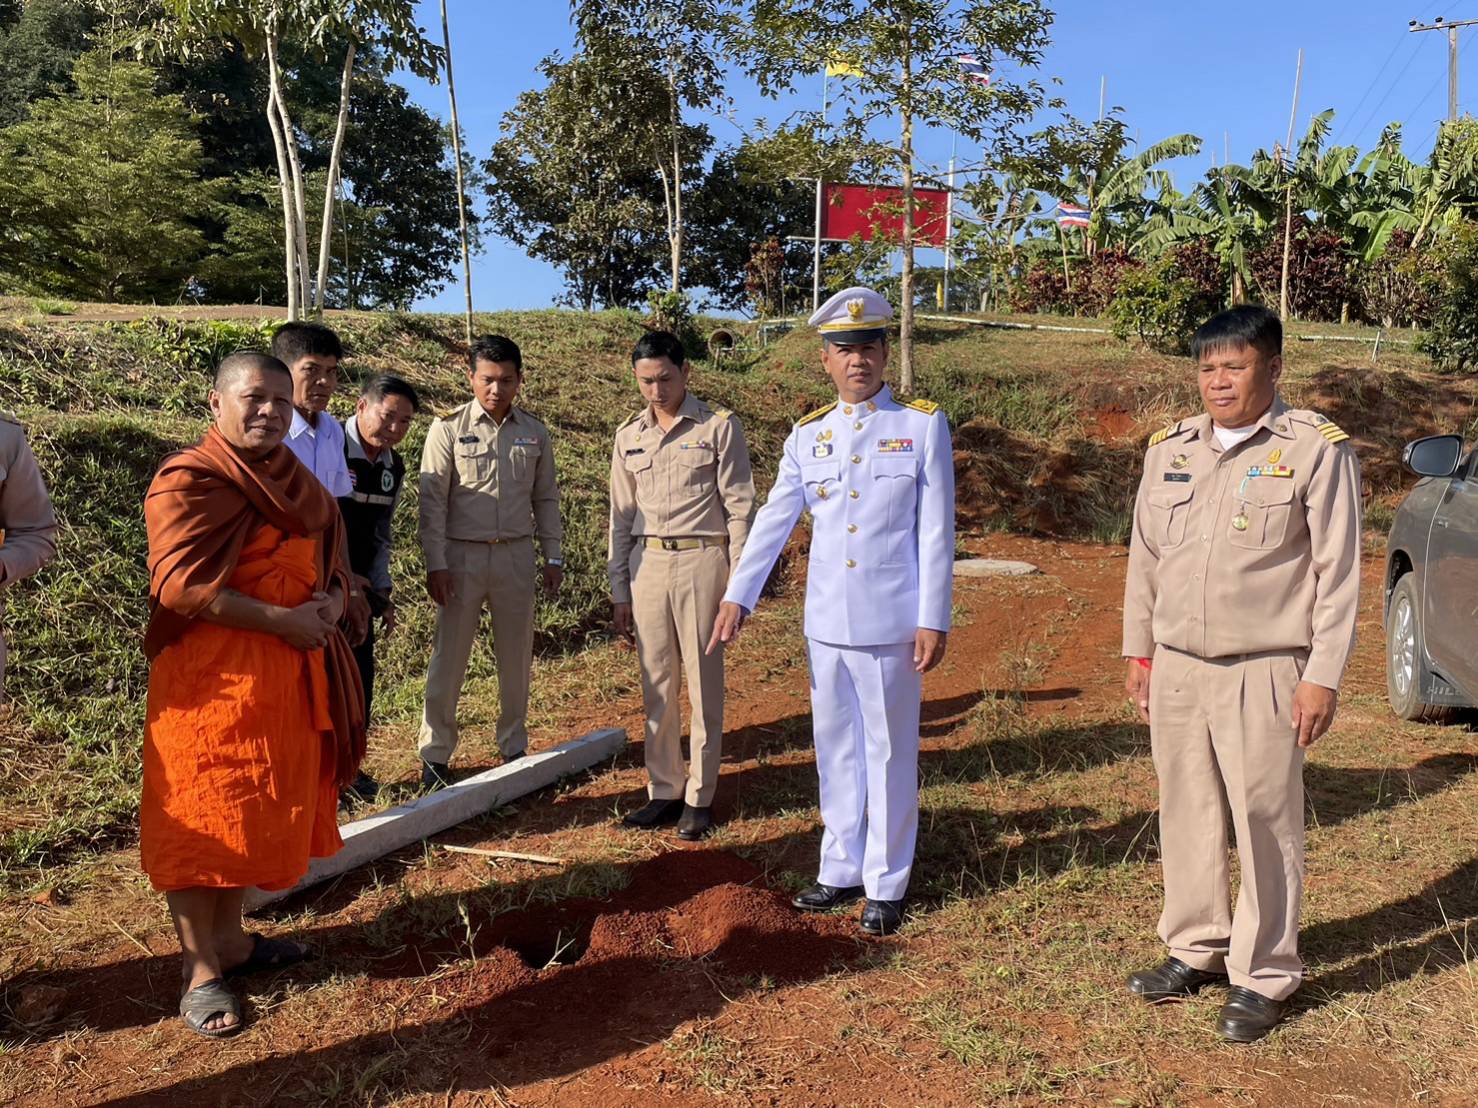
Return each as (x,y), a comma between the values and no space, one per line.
(1239,521)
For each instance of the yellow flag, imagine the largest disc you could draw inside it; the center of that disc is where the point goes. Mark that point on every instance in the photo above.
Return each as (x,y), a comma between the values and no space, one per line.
(840,67)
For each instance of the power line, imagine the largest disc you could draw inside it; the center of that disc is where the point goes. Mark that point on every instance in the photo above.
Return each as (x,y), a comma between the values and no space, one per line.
(1371,115)
(1369,88)
(1425,97)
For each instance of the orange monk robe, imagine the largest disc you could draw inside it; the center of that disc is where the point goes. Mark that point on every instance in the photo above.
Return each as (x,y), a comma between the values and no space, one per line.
(246,738)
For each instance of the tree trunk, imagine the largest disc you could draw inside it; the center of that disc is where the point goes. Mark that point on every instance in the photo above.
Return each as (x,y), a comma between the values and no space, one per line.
(326,232)
(905,291)
(451,91)
(284,175)
(290,140)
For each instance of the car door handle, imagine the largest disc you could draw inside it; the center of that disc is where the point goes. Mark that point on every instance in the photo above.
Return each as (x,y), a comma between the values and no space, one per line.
(1440,521)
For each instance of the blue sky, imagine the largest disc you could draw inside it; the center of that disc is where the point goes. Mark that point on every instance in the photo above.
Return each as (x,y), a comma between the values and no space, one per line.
(1224,72)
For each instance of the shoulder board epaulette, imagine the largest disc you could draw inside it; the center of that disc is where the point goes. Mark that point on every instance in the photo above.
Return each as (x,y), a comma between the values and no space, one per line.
(1331,431)
(1163,433)
(722,413)
(632,418)
(928,407)
(524,411)
(9,418)
(813,416)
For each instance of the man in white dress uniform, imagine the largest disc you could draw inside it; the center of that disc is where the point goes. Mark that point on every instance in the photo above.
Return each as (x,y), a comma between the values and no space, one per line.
(877,476)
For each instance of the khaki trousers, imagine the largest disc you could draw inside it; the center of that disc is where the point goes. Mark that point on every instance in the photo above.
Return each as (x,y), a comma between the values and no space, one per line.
(500,575)
(675,596)
(1222,736)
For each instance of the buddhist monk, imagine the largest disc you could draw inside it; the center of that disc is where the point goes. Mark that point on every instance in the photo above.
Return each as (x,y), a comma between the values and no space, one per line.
(255,714)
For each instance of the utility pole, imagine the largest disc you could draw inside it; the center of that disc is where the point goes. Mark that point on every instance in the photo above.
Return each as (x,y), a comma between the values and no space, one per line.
(1451,29)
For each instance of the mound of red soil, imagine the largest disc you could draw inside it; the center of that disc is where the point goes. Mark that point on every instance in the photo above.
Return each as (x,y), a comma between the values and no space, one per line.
(755,933)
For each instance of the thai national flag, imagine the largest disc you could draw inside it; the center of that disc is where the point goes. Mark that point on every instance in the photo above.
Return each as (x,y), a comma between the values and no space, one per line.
(972,69)
(1070,215)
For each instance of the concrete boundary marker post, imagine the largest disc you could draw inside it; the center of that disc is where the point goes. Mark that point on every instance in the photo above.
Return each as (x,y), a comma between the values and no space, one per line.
(378,835)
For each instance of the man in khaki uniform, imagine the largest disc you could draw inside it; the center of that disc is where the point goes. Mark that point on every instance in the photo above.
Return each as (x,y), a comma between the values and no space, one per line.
(27,523)
(682,500)
(1239,616)
(487,491)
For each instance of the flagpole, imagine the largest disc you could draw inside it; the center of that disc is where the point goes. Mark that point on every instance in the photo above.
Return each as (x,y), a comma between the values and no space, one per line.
(816,245)
(949,218)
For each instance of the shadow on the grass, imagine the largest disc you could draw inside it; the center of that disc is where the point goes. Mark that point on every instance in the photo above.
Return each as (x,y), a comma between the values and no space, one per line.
(1428,932)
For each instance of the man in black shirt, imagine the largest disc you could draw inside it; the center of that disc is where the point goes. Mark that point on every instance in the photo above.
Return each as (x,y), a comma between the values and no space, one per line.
(387,405)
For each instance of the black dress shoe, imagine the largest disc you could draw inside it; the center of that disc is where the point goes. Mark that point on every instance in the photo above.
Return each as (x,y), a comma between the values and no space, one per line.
(364,787)
(435,775)
(1171,980)
(823,898)
(882,917)
(655,814)
(515,756)
(1247,1016)
(695,823)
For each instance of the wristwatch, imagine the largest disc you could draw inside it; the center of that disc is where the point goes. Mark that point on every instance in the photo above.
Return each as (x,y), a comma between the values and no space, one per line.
(554,562)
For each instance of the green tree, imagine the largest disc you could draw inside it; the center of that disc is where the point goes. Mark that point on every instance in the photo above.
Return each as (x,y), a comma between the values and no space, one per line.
(320,28)
(38,50)
(736,212)
(906,53)
(572,180)
(680,40)
(96,189)
(1452,342)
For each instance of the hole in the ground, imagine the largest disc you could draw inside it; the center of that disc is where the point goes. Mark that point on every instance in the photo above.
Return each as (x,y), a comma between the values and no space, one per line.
(557,948)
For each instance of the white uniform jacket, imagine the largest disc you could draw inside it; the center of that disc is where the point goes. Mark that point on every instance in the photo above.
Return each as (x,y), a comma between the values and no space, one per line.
(878,480)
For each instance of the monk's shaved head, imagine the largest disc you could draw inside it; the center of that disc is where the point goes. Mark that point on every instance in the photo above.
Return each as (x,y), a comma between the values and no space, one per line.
(252,402)
(234,365)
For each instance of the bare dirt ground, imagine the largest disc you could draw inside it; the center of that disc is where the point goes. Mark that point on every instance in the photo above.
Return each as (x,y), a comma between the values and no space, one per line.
(649,971)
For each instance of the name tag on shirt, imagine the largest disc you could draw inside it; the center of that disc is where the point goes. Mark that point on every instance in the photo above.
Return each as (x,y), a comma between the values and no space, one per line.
(467,438)
(636,450)
(895,446)
(821,450)
(698,445)
(1177,476)
(526,442)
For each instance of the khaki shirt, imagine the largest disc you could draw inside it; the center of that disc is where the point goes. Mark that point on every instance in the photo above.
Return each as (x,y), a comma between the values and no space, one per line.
(26,517)
(1250,549)
(690,482)
(27,523)
(482,482)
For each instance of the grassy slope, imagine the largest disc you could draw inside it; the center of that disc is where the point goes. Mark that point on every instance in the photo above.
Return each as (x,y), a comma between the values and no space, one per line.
(1048,433)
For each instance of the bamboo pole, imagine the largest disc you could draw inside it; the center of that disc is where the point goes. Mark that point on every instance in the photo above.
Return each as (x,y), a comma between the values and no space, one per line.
(1288,206)
(451,89)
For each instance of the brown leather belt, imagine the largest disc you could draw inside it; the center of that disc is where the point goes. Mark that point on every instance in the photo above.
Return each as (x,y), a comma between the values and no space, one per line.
(681,544)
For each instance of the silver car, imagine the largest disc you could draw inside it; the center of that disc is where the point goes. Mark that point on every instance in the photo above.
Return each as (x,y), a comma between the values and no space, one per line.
(1431,584)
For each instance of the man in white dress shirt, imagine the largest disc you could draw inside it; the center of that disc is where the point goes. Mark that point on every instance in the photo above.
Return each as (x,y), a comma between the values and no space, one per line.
(877,476)
(312,353)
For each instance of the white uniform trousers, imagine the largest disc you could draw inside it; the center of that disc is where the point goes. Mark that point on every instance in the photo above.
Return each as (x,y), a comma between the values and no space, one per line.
(865,717)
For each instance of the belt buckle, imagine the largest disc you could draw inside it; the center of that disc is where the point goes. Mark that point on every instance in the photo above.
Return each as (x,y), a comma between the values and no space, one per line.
(669,544)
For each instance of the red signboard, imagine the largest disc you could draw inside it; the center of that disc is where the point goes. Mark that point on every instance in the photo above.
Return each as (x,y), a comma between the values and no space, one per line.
(867,210)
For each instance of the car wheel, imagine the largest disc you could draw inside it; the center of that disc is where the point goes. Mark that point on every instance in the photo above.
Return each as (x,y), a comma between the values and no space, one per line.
(1404,654)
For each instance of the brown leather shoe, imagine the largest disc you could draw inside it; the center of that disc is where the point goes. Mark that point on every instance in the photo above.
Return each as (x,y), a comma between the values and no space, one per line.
(1248,1016)
(1172,979)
